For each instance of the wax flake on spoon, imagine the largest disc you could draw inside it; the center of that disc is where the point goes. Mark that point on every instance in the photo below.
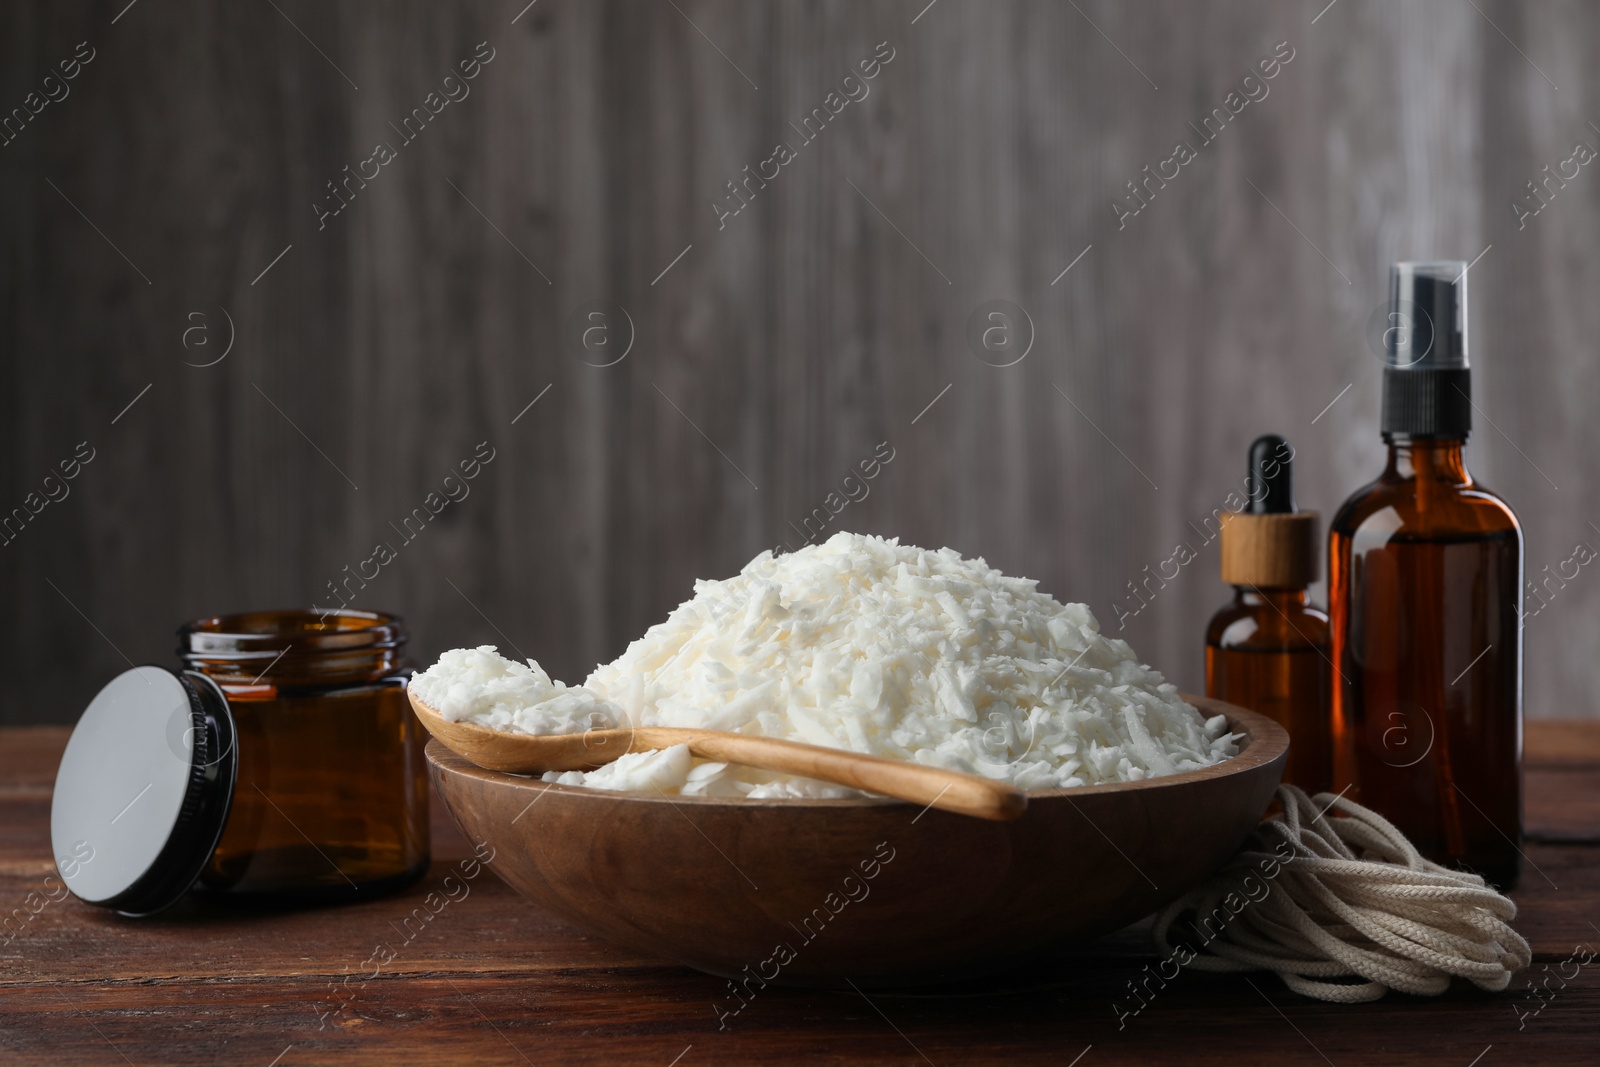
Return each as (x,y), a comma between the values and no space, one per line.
(478,685)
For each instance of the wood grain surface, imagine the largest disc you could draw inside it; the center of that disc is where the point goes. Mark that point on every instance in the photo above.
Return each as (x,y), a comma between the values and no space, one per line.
(491,979)
(144,216)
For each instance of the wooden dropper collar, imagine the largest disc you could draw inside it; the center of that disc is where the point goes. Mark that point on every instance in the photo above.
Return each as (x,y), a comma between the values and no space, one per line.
(1270,551)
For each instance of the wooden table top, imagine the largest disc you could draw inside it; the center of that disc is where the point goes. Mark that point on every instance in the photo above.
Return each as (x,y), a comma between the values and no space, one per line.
(493,980)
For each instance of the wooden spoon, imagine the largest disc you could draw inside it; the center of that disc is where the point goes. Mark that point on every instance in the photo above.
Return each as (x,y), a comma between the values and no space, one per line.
(499,750)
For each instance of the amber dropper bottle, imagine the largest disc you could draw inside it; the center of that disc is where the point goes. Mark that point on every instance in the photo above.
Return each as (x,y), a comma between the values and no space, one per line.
(1268,650)
(1425,590)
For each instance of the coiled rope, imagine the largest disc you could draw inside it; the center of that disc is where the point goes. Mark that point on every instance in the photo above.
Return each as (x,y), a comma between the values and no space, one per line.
(1356,901)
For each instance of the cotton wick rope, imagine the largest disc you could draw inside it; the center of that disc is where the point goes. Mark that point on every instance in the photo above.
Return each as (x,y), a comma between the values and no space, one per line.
(1355,901)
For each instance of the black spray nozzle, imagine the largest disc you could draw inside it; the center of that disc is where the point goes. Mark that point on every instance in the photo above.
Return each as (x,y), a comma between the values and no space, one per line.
(1427,328)
(1271,482)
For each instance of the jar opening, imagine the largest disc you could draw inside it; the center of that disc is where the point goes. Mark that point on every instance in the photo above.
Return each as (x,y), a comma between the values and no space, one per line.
(294,646)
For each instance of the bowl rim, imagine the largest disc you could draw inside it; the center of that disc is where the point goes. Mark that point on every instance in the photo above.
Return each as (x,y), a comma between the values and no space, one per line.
(1264,740)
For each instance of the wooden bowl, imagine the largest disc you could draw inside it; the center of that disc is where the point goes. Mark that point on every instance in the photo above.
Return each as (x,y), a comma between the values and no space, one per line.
(806,891)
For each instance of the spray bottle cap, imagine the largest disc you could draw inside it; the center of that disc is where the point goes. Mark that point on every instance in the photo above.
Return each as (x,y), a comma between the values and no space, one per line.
(1268,544)
(1427,316)
(1427,386)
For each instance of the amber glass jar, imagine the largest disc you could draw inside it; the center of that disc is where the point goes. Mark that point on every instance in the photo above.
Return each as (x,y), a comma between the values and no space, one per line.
(331,801)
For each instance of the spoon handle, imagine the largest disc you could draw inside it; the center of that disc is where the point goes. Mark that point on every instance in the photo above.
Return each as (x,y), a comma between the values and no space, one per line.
(965,794)
(498,750)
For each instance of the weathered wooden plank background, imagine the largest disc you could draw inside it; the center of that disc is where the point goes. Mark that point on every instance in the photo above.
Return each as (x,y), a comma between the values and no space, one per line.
(777,351)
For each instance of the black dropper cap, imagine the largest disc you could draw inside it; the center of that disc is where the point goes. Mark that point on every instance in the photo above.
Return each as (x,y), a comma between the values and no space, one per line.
(1427,386)
(1271,476)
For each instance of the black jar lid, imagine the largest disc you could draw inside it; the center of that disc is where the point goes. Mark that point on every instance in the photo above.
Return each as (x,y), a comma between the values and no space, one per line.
(144,789)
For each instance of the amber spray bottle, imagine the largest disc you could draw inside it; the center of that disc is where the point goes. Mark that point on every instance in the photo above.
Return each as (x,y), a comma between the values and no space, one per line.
(1268,650)
(1425,590)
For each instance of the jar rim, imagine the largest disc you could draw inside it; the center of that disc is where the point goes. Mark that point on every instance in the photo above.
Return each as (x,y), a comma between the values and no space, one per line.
(254,635)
